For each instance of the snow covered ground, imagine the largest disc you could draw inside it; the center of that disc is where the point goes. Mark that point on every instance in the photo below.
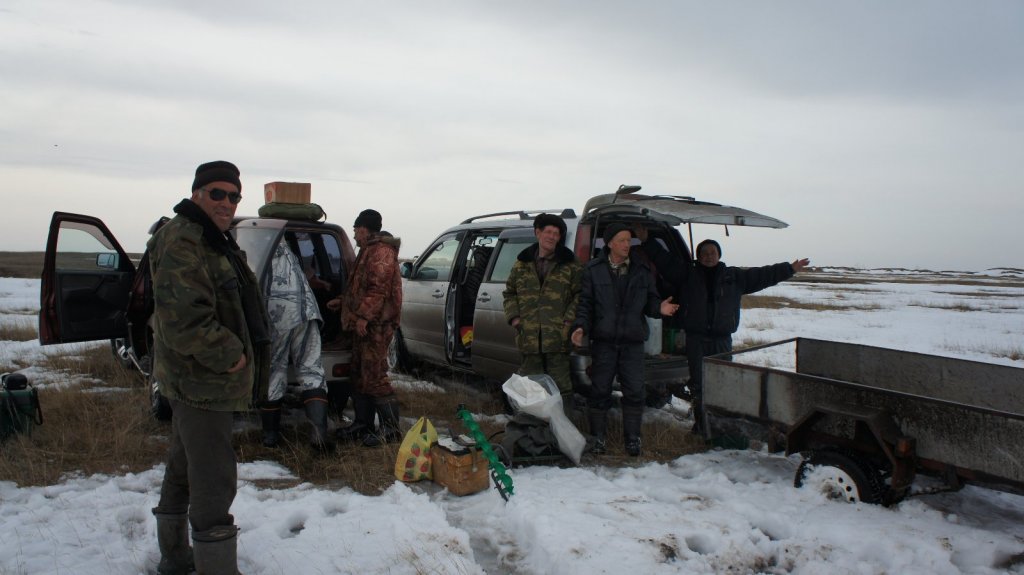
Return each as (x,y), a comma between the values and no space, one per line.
(715,512)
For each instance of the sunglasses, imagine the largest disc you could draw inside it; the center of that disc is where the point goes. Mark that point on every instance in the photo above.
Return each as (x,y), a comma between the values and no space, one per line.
(218,195)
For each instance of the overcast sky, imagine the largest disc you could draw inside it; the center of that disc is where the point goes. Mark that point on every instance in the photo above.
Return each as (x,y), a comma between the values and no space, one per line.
(885,133)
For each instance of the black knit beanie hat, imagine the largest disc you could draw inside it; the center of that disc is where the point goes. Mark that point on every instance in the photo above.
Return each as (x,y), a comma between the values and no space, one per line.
(544,220)
(219,171)
(369,219)
(612,230)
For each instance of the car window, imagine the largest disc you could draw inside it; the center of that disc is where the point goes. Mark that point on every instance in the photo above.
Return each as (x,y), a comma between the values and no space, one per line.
(83,247)
(437,263)
(257,243)
(508,250)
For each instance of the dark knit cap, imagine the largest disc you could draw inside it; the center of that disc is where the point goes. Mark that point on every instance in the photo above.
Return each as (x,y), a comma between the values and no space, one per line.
(369,219)
(613,229)
(544,220)
(712,243)
(219,171)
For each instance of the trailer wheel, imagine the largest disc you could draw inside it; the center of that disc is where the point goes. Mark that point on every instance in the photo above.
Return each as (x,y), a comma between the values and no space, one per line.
(841,475)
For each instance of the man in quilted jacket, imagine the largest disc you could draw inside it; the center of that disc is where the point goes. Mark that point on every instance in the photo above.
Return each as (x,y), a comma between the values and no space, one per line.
(371,308)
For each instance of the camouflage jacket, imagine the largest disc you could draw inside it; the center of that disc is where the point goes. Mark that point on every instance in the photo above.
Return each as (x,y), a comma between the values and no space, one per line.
(545,312)
(374,291)
(199,321)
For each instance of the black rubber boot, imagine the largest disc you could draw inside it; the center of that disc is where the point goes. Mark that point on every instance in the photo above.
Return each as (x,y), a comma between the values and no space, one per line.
(338,393)
(632,421)
(598,419)
(315,402)
(172,536)
(388,431)
(363,425)
(216,550)
(270,416)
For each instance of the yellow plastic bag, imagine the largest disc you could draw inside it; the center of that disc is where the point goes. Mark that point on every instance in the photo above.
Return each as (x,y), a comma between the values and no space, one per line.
(413,461)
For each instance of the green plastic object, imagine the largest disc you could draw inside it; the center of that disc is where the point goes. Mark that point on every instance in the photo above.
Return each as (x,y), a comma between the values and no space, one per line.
(502,481)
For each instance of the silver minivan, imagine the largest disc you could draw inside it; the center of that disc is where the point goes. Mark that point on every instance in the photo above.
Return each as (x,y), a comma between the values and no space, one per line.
(452,309)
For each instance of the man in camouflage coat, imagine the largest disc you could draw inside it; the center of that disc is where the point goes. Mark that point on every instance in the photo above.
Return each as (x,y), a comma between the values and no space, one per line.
(295,320)
(371,308)
(541,295)
(210,345)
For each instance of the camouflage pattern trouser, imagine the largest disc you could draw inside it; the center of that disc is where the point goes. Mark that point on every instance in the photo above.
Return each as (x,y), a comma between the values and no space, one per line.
(554,364)
(370,361)
(302,346)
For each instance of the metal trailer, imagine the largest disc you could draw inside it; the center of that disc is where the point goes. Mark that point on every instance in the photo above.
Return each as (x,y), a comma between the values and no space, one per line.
(868,419)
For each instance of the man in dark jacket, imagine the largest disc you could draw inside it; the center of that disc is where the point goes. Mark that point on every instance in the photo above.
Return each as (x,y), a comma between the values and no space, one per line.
(616,295)
(210,346)
(710,293)
(371,308)
(541,294)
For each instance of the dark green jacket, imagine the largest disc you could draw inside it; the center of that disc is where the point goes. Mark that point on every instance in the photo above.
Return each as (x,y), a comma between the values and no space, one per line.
(200,327)
(545,312)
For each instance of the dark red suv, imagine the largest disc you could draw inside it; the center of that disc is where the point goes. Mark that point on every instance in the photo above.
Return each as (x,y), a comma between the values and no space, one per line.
(91,290)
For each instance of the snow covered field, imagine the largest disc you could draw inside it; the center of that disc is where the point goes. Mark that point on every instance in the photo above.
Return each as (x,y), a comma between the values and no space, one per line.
(715,512)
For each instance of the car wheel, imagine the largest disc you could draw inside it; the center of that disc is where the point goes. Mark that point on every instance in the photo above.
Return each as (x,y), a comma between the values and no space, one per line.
(398,358)
(842,476)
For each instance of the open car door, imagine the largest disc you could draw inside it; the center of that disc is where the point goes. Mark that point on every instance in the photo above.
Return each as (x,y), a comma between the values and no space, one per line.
(86,282)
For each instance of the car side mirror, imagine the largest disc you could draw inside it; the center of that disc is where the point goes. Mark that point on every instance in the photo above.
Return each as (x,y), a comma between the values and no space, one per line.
(405,270)
(107,261)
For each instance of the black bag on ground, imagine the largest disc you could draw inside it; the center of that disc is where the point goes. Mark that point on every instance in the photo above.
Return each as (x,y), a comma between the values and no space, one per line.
(19,406)
(528,439)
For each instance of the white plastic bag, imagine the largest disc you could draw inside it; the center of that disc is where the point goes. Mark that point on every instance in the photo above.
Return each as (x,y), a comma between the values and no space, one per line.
(537,395)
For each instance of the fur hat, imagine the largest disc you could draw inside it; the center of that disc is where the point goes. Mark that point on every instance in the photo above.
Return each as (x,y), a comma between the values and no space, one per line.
(219,171)
(369,219)
(710,243)
(613,229)
(544,220)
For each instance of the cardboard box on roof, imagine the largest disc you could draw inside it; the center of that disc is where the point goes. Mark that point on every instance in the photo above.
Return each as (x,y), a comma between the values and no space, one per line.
(287,192)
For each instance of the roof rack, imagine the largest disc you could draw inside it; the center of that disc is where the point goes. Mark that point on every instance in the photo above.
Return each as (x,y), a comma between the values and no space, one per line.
(524,214)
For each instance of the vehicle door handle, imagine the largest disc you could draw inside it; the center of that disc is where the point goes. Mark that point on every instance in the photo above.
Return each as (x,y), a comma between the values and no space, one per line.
(484,297)
(438,294)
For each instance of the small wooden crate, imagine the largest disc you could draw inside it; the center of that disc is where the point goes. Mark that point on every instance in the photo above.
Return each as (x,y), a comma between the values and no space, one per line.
(287,192)
(463,470)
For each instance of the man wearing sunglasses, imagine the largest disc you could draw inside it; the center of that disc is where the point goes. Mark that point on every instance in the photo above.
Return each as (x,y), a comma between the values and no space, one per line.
(211,348)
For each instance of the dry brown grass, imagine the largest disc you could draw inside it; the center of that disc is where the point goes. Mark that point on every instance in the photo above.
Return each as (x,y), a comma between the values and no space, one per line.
(952,306)
(19,329)
(104,426)
(21,264)
(780,302)
(85,430)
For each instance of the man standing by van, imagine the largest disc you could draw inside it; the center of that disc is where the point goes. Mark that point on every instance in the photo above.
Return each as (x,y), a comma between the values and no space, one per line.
(371,308)
(541,294)
(210,344)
